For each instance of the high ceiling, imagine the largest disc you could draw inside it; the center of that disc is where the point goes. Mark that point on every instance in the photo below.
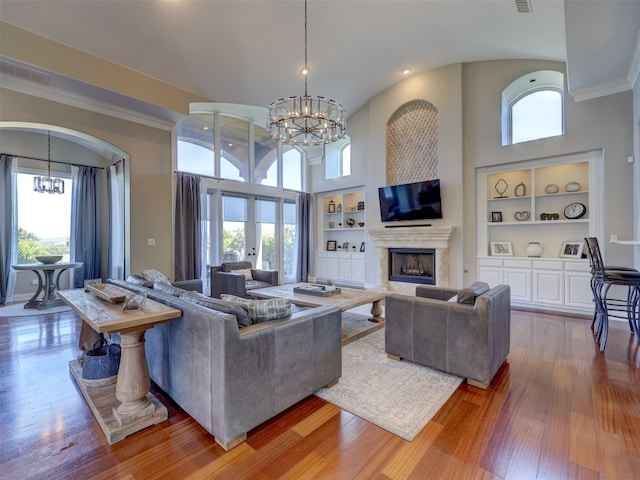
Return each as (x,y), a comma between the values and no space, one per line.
(251,51)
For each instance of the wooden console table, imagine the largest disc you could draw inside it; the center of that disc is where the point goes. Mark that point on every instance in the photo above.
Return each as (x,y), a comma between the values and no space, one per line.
(127,406)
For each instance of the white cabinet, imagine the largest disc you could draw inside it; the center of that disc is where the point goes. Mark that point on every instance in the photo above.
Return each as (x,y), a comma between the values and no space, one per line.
(343,268)
(546,284)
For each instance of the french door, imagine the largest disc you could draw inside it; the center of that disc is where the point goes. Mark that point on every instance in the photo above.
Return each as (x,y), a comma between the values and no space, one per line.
(261,230)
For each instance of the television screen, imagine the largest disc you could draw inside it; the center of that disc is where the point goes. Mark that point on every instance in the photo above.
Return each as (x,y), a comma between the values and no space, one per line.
(411,201)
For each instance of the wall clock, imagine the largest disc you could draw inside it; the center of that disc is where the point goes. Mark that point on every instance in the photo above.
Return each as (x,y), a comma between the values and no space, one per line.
(574,211)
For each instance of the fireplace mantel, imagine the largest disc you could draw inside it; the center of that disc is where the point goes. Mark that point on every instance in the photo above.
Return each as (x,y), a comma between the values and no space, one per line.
(414,237)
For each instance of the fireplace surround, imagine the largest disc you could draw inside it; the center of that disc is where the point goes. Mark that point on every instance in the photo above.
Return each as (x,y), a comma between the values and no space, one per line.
(436,238)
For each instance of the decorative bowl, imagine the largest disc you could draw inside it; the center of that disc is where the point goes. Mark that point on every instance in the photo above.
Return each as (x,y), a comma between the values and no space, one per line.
(361,224)
(49,259)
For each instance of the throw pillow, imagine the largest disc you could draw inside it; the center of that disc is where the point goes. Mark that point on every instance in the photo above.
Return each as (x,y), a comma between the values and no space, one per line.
(138,280)
(262,310)
(244,271)
(240,311)
(152,275)
(468,295)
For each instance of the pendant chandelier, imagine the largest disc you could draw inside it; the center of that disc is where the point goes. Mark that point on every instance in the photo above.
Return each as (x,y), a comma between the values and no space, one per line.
(305,120)
(48,184)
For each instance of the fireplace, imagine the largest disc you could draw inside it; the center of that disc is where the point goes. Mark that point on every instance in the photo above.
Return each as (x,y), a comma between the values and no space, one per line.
(412,265)
(415,238)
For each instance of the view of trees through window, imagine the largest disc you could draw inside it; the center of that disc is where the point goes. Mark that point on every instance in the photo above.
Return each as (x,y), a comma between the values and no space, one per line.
(44,221)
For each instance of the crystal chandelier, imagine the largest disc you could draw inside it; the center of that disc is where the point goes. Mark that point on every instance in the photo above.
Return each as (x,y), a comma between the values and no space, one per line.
(305,120)
(48,184)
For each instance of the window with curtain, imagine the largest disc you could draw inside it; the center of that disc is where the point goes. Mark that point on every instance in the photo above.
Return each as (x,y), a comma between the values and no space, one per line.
(234,223)
(44,220)
(116,221)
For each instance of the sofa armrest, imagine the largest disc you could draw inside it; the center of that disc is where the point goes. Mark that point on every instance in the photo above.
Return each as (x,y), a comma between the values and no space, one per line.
(195,285)
(226,282)
(268,276)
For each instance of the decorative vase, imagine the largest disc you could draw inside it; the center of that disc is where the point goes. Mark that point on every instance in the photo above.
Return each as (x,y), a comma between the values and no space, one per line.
(534,249)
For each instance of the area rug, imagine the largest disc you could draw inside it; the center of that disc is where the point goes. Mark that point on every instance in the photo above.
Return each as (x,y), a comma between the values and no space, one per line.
(400,397)
(18,310)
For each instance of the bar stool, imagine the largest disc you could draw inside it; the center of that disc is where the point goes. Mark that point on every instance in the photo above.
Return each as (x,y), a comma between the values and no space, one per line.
(602,279)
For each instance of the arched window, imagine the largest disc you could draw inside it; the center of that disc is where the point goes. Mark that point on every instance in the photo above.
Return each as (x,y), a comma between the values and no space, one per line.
(337,159)
(533,107)
(227,141)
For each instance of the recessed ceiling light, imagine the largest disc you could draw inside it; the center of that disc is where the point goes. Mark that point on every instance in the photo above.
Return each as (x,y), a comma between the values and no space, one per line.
(205,128)
(406,71)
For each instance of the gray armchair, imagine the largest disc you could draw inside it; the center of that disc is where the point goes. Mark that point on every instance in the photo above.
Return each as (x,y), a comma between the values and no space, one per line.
(226,278)
(470,339)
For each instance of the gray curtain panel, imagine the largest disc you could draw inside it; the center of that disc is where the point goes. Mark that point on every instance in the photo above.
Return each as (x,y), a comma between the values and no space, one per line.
(7,213)
(304,237)
(85,224)
(188,228)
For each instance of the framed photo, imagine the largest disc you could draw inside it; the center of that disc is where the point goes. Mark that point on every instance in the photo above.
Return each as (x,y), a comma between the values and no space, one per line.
(501,249)
(572,249)
(362,247)
(331,245)
(496,216)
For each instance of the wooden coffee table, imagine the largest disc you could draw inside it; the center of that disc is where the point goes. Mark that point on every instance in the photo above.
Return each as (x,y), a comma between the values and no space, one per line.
(347,299)
(127,406)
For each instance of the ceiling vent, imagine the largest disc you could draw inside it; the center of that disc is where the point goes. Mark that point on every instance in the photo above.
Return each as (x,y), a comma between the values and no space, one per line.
(24,73)
(523,6)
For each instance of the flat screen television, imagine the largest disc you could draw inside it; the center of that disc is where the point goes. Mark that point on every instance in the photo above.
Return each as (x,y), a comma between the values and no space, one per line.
(410,201)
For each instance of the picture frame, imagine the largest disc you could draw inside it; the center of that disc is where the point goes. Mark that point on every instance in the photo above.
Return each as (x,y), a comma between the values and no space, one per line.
(362,247)
(496,217)
(572,249)
(331,245)
(501,249)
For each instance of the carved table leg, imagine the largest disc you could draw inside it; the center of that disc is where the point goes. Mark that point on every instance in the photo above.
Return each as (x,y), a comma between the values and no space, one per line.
(33,301)
(376,312)
(133,381)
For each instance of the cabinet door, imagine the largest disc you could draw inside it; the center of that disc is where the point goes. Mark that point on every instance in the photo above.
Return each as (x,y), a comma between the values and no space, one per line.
(490,275)
(332,267)
(548,287)
(357,271)
(321,266)
(520,282)
(578,290)
(344,270)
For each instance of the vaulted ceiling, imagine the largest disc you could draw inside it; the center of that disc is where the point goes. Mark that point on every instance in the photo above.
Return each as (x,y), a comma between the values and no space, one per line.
(251,51)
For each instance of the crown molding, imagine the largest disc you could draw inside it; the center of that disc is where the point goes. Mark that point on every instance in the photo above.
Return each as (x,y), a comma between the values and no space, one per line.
(601,90)
(165,122)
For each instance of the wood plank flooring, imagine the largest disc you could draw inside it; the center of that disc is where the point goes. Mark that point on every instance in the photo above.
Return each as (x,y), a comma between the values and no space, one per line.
(558,410)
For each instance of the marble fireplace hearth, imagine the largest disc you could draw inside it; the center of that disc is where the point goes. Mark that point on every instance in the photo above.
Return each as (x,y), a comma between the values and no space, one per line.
(437,238)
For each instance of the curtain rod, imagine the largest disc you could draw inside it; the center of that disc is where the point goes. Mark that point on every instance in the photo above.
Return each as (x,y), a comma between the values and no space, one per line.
(53,161)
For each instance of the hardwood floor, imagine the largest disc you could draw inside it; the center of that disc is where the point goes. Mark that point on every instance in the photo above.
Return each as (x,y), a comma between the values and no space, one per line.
(558,410)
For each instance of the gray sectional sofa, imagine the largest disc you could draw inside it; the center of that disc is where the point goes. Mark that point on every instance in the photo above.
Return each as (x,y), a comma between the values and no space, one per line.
(464,332)
(232,379)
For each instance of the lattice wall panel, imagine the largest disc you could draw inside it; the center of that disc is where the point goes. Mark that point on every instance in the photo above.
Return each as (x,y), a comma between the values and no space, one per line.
(412,143)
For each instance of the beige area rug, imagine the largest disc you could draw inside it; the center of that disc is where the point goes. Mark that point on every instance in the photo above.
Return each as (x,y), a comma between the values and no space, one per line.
(400,397)
(18,310)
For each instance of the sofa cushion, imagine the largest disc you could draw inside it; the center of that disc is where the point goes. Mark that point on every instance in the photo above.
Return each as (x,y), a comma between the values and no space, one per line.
(253,284)
(138,280)
(153,275)
(231,266)
(168,289)
(240,311)
(262,310)
(468,295)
